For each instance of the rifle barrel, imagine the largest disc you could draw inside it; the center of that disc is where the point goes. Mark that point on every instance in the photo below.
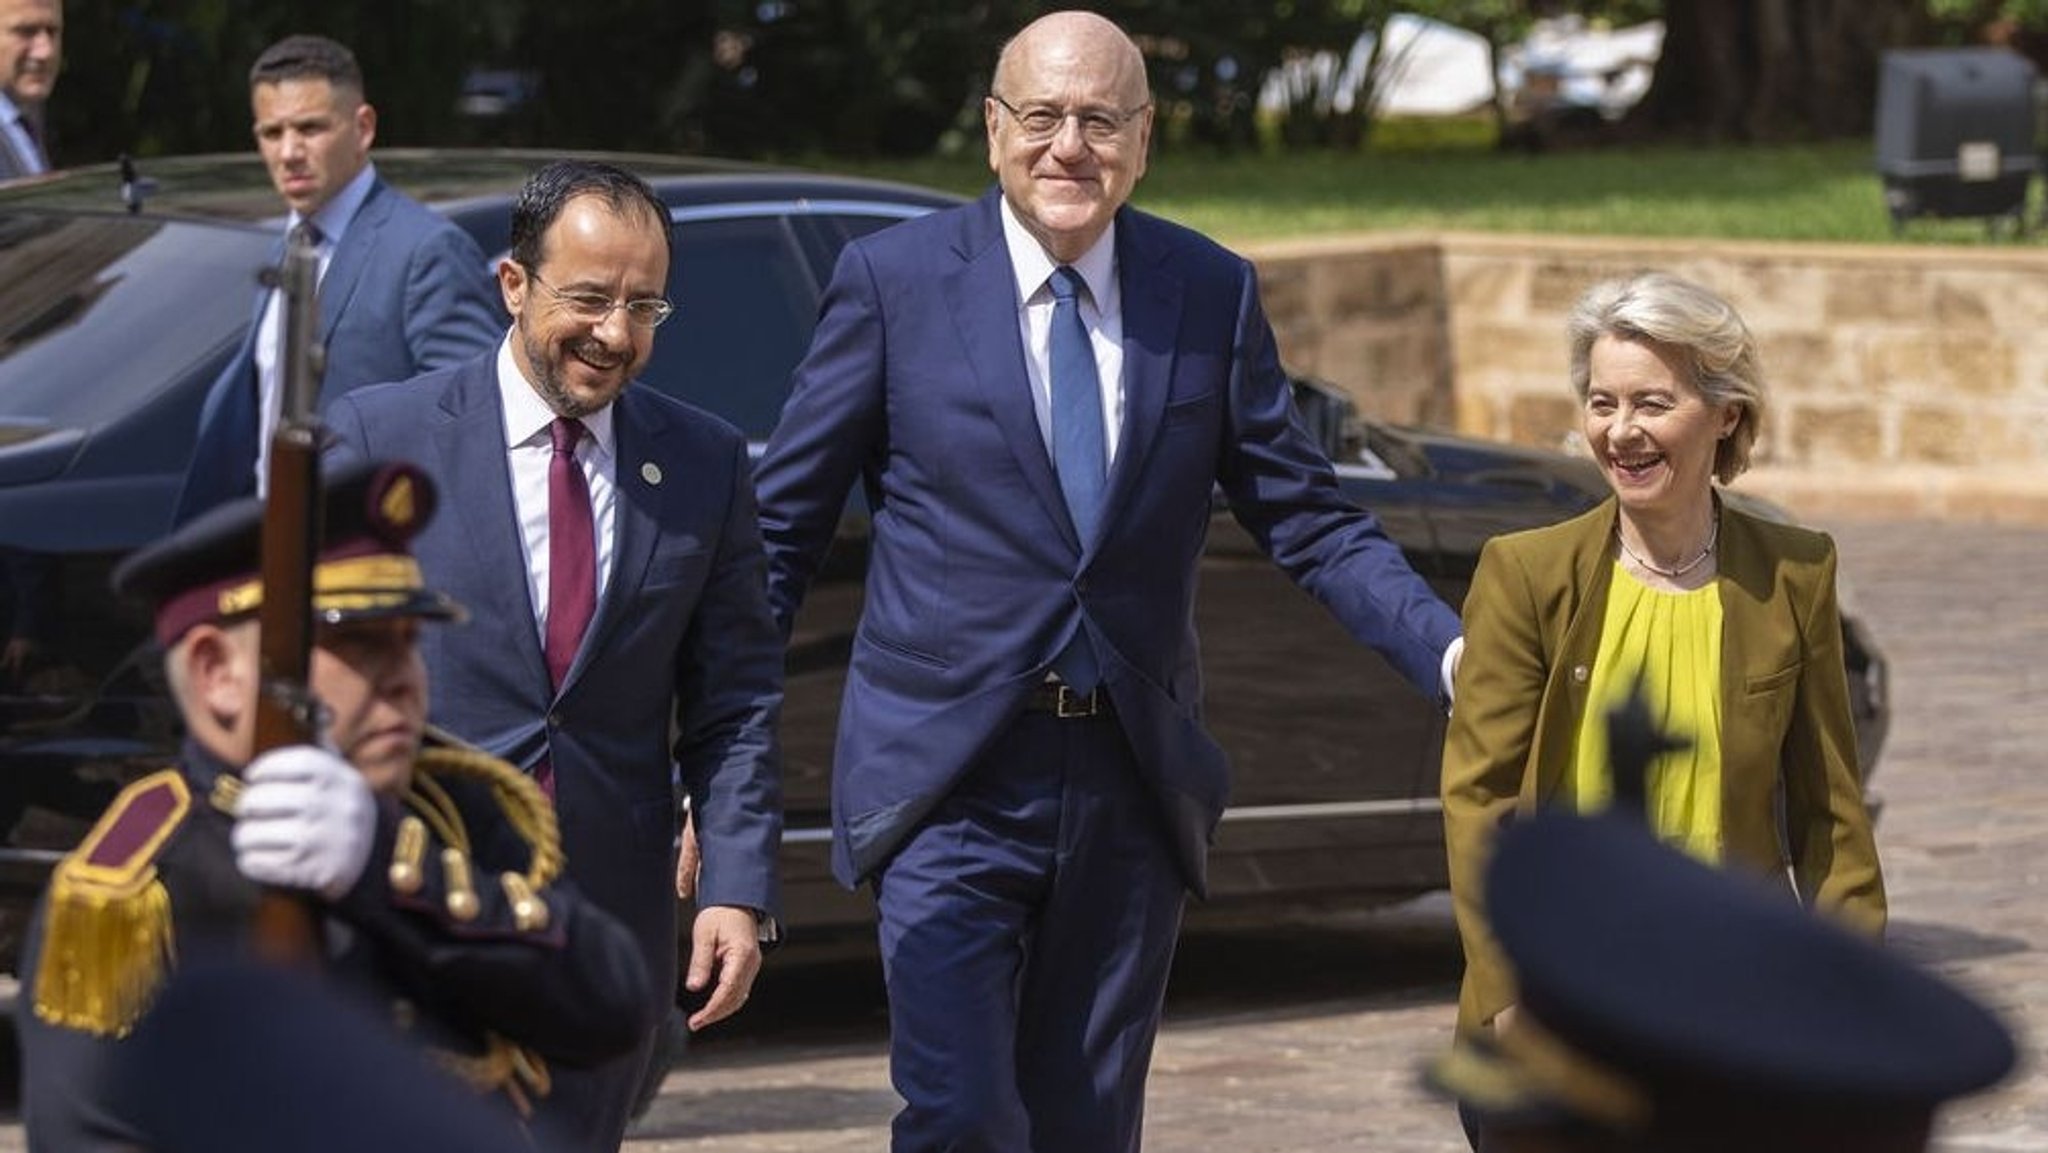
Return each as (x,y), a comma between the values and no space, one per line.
(286,714)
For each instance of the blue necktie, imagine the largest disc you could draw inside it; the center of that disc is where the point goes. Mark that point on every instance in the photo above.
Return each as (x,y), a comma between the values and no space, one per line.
(1077,443)
(41,160)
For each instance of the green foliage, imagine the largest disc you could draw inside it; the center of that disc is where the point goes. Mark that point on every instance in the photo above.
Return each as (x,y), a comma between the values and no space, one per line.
(150,77)
(1819,192)
(1971,14)
(854,77)
(1410,134)
(847,78)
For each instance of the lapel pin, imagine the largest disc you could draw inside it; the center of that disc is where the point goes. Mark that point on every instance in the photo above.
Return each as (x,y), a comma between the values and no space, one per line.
(650,472)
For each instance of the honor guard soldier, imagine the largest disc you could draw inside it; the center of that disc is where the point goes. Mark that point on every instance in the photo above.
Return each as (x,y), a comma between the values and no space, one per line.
(432,875)
(1669,1007)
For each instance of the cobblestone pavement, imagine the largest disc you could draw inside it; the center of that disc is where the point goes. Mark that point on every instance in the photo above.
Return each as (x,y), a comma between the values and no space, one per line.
(1306,1039)
(1961,612)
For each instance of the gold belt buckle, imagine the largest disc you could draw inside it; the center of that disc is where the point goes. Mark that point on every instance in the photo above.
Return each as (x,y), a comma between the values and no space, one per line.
(1068,704)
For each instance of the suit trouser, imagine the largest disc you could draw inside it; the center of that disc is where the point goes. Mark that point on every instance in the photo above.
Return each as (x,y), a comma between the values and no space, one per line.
(587,1110)
(1027,929)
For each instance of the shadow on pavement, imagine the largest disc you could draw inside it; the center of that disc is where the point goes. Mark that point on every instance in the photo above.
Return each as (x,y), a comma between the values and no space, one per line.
(1930,944)
(682,1115)
(1299,966)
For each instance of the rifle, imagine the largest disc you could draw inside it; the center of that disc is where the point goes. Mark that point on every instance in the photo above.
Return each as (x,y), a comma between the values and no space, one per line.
(286,711)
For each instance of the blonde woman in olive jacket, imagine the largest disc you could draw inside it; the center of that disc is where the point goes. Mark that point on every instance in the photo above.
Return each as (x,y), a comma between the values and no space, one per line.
(1671,399)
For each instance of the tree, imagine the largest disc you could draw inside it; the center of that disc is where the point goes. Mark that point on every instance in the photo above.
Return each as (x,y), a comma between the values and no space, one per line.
(1772,69)
(150,77)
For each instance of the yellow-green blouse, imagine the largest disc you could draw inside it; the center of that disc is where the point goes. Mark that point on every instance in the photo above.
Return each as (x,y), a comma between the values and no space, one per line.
(1673,639)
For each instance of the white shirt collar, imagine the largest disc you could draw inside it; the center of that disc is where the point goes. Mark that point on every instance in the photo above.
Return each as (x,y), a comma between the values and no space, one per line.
(527,416)
(1034,267)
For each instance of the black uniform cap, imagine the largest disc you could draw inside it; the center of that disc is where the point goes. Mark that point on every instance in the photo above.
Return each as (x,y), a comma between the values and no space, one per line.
(209,568)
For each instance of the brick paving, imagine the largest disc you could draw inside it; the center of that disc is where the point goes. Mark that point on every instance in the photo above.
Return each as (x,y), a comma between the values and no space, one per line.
(1306,1039)
(1961,612)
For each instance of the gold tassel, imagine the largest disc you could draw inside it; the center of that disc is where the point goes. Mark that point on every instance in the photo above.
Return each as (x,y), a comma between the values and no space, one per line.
(105,954)
(407,855)
(529,911)
(107,938)
(463,904)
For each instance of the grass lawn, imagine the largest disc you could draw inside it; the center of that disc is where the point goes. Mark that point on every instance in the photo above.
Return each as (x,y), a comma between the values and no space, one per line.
(1811,192)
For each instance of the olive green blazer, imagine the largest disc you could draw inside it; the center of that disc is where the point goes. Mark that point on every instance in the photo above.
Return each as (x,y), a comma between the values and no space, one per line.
(1788,746)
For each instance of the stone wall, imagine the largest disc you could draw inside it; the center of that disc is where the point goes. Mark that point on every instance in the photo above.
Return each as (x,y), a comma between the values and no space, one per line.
(1905,381)
(1369,316)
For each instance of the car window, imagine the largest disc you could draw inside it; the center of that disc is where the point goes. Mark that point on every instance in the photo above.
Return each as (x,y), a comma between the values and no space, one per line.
(745,306)
(856,225)
(68,282)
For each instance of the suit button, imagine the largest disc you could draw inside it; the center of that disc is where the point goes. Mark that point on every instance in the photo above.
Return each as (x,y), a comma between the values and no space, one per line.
(1081,585)
(1580,674)
(554,720)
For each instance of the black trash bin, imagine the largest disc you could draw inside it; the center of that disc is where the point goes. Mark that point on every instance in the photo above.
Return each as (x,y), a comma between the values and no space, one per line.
(1955,133)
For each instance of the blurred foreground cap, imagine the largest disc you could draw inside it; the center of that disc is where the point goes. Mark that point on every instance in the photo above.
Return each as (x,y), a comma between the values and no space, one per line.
(238,1057)
(1696,1008)
(209,568)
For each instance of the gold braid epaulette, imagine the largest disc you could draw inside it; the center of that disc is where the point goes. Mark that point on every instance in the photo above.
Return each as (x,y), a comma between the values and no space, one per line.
(107,938)
(521,1074)
(432,810)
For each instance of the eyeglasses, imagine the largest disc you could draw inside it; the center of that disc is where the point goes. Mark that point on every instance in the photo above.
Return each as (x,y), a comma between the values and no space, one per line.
(1042,122)
(593,307)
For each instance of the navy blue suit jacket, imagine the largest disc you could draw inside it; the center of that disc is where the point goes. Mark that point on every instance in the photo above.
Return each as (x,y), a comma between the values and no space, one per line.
(916,384)
(407,291)
(682,638)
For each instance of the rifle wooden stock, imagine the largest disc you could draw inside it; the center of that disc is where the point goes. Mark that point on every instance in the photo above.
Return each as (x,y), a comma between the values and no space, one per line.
(286,713)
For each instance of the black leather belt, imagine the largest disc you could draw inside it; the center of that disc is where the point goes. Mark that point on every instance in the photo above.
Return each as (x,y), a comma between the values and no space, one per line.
(1062,701)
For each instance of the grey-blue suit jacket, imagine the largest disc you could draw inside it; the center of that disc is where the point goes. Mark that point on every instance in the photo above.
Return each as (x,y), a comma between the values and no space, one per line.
(682,638)
(407,291)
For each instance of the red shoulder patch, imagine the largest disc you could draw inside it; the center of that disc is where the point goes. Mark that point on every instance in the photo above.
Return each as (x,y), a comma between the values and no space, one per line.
(134,827)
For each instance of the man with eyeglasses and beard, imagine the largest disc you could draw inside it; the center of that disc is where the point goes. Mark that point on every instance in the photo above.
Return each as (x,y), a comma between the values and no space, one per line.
(1041,392)
(607,543)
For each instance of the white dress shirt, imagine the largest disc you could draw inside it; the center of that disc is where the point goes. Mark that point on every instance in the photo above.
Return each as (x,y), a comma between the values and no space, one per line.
(332,220)
(530,448)
(1101,313)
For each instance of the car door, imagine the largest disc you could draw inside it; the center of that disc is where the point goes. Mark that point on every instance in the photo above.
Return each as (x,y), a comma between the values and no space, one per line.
(746,281)
(1333,755)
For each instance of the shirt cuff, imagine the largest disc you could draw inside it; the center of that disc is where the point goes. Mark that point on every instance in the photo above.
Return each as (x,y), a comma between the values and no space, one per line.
(1450,668)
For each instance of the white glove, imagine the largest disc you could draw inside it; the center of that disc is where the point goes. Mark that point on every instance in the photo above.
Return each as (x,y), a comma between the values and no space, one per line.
(306,820)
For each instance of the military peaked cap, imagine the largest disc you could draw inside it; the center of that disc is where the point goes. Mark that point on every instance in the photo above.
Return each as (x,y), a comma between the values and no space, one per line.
(209,569)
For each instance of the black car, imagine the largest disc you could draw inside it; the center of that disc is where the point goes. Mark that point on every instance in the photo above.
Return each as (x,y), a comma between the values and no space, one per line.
(122,294)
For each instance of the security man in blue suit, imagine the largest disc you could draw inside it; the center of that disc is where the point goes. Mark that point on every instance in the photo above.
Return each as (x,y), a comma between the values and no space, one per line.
(1041,393)
(402,289)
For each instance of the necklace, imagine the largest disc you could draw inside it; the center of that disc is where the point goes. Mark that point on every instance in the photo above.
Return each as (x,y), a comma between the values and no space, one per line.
(1706,550)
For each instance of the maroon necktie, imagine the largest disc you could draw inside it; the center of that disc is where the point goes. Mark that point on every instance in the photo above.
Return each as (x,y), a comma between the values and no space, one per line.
(572,551)
(572,563)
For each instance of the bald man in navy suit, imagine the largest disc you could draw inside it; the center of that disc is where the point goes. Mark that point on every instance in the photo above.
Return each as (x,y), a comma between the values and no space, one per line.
(1041,392)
